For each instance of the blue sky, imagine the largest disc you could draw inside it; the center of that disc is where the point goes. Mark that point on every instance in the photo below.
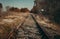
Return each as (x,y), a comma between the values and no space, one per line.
(18,3)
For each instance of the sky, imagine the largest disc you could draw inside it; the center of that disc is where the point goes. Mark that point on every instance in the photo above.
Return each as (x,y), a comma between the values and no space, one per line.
(18,3)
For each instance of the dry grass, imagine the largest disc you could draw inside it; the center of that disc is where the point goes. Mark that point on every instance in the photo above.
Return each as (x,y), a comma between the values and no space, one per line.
(8,22)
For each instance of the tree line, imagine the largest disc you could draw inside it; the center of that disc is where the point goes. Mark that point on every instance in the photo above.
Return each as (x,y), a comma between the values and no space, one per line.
(14,9)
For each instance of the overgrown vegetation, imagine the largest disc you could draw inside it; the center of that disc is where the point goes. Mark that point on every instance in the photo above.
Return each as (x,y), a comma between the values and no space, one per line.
(52,9)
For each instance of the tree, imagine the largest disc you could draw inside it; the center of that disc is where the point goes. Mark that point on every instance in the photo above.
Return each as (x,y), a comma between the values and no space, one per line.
(51,9)
(54,10)
(1,7)
(13,9)
(24,10)
(34,9)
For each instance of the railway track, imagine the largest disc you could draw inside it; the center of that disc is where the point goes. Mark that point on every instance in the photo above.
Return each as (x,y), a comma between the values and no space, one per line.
(28,29)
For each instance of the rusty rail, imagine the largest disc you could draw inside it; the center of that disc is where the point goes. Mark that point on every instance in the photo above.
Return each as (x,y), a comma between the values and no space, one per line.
(13,32)
(43,33)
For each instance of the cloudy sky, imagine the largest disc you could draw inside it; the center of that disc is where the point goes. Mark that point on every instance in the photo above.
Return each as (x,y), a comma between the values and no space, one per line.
(18,3)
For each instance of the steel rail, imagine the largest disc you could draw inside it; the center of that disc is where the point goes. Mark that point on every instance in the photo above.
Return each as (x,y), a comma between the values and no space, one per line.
(43,33)
(13,32)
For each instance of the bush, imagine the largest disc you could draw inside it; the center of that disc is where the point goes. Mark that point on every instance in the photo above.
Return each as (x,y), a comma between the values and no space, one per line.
(13,9)
(24,10)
